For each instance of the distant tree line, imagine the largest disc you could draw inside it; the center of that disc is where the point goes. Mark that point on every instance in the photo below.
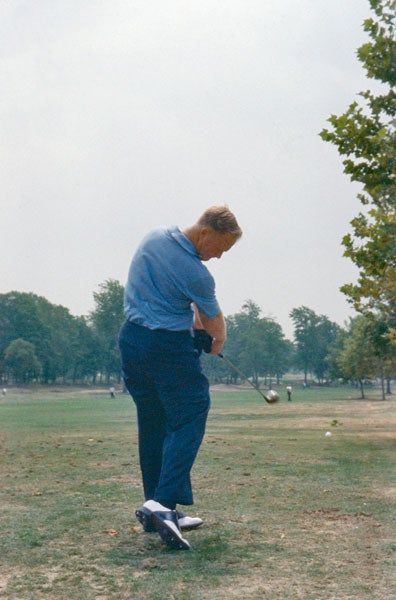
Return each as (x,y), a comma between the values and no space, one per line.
(322,351)
(42,342)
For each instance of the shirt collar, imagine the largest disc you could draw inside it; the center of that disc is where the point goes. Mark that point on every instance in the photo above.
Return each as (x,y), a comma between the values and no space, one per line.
(183,241)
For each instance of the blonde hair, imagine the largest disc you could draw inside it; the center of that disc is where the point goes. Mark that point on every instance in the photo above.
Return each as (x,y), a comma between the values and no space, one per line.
(220,219)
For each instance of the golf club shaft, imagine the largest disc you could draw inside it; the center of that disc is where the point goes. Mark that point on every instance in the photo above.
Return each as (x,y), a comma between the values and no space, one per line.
(242,375)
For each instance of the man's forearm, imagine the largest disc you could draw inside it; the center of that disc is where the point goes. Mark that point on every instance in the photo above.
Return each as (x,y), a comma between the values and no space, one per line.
(216,326)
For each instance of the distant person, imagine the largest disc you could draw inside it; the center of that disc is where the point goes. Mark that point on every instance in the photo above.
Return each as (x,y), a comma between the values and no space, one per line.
(112,392)
(289,390)
(160,360)
(4,392)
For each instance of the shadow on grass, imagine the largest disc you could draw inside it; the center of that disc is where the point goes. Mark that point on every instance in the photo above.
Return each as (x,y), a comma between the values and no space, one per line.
(212,554)
(216,560)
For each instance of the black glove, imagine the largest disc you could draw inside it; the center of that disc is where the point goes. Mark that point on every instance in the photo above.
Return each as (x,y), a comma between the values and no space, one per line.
(202,340)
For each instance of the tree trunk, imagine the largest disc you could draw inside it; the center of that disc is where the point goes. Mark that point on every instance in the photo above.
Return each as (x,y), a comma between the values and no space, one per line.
(383,387)
(362,389)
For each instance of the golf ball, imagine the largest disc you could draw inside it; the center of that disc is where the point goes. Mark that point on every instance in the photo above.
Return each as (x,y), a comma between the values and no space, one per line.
(328,434)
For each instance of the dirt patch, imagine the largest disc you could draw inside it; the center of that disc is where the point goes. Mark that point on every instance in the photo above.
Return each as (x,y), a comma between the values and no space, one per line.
(389,493)
(5,575)
(335,515)
(115,479)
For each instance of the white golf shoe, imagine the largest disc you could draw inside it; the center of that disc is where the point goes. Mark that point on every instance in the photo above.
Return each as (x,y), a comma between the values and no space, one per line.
(186,522)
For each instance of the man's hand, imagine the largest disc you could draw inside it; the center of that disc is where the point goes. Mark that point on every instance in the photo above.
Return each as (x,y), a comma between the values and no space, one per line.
(202,341)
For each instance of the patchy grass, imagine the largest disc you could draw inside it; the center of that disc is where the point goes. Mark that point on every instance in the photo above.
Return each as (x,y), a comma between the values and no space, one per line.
(289,513)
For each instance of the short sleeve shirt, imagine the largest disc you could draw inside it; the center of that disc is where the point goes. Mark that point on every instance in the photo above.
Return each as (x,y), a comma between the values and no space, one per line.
(166,275)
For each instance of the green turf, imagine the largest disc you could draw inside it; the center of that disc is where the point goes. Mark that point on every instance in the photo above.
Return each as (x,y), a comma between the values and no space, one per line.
(288,513)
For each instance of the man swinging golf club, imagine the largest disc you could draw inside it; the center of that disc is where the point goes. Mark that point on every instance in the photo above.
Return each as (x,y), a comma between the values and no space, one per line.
(167,281)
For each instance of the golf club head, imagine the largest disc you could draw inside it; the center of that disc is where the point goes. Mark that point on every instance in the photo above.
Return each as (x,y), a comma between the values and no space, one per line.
(272,396)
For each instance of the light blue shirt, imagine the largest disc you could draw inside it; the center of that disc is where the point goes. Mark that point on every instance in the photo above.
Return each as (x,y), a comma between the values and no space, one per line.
(166,275)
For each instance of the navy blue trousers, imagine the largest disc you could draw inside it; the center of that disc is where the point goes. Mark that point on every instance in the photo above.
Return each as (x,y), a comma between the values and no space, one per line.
(163,374)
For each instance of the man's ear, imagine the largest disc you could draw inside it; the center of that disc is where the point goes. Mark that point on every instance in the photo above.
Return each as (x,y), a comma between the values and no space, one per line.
(204,231)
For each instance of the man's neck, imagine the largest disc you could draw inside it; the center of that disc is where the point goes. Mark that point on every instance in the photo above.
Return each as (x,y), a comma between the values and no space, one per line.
(192,233)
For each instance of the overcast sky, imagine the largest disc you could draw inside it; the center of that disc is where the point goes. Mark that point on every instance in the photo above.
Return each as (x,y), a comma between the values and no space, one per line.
(119,116)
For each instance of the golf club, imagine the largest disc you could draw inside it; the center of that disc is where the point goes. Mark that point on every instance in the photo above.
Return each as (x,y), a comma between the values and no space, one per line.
(271,397)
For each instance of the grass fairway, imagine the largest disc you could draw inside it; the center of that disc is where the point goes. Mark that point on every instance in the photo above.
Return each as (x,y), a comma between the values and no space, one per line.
(288,513)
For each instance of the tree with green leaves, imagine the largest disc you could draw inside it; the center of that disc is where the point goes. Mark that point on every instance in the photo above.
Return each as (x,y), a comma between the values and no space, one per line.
(357,358)
(249,342)
(365,136)
(85,361)
(256,345)
(64,345)
(61,347)
(335,370)
(313,335)
(274,350)
(106,319)
(363,351)
(20,318)
(20,358)
(305,321)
